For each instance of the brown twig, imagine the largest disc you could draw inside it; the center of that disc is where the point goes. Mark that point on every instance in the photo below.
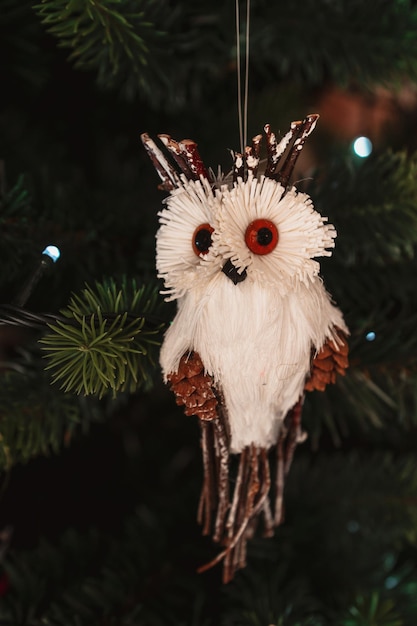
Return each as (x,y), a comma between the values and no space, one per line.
(252,155)
(238,166)
(191,154)
(208,495)
(293,435)
(302,131)
(279,479)
(222,448)
(169,177)
(276,150)
(234,555)
(178,155)
(237,494)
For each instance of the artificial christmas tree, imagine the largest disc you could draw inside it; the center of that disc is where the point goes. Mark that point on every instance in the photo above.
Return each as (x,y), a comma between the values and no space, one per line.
(100,470)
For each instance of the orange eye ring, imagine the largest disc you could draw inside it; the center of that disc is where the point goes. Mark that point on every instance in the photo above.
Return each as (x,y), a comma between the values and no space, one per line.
(261,236)
(202,239)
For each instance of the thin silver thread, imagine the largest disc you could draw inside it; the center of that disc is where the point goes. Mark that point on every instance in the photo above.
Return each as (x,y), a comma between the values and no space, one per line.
(242,116)
(245,111)
(239,86)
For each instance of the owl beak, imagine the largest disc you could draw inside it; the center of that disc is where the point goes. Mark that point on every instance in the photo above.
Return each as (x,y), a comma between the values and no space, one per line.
(231,272)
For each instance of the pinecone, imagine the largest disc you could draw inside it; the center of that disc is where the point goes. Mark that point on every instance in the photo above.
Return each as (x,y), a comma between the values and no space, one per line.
(330,361)
(193,388)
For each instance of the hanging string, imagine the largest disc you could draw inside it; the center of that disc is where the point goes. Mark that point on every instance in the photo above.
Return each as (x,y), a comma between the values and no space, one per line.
(245,112)
(242,117)
(239,87)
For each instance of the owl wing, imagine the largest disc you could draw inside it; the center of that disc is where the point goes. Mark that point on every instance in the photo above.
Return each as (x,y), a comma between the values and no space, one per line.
(193,388)
(331,360)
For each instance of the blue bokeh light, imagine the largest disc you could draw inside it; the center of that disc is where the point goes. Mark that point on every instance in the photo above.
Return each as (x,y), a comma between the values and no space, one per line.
(353,526)
(391,582)
(362,147)
(53,252)
(371,336)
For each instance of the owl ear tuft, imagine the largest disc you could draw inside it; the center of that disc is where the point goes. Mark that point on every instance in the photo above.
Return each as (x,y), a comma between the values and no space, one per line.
(297,135)
(281,157)
(175,161)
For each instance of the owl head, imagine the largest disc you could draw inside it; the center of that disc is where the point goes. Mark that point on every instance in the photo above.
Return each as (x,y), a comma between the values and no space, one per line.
(245,227)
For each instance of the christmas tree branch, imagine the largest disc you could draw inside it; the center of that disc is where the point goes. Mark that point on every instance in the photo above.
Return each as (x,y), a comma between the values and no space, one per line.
(35,418)
(106,340)
(102,32)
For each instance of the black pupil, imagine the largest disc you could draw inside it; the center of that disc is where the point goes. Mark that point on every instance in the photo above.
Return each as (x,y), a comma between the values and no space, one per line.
(202,240)
(264,236)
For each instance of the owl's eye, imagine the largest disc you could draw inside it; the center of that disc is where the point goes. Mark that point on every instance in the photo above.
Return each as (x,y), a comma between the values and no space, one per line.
(202,239)
(261,236)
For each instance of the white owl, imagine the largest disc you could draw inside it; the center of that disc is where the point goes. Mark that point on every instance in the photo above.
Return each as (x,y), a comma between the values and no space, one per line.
(255,326)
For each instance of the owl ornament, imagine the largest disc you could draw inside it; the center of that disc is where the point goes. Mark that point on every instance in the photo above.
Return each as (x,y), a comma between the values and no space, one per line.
(255,327)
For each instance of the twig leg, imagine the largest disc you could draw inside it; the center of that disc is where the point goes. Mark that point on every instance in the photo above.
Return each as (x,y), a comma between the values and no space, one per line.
(279,480)
(208,495)
(294,435)
(238,512)
(223,457)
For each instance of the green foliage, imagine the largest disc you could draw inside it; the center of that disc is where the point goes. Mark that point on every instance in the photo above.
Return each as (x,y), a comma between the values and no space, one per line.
(108,342)
(89,577)
(283,600)
(36,419)
(101,34)
(17,241)
(15,204)
(350,518)
(373,204)
(20,32)
(323,567)
(401,586)
(314,40)
(145,48)
(371,276)
(148,49)
(376,401)
(349,530)
(372,611)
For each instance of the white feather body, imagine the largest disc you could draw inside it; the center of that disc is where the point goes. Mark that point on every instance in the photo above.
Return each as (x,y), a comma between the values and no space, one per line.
(257,346)
(254,338)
